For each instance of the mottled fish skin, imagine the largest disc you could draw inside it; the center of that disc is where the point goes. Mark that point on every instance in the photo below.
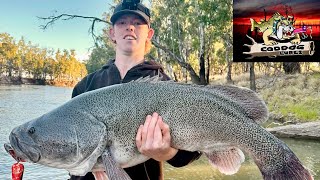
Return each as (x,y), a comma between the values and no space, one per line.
(216,120)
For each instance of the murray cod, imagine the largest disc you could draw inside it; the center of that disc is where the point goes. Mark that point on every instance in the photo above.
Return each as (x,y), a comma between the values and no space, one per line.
(96,131)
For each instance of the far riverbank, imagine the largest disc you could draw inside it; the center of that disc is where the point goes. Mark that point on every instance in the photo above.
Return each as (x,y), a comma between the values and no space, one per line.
(6,80)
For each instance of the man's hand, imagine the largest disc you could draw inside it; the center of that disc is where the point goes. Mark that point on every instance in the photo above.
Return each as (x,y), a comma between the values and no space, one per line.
(153,139)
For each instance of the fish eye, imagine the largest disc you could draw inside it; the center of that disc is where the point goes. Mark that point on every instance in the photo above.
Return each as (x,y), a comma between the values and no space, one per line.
(32,130)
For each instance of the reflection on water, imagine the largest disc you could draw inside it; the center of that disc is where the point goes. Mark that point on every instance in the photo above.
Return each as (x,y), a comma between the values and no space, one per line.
(19,104)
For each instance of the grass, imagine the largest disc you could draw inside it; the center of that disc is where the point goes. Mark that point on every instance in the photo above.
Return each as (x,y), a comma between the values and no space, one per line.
(293,98)
(301,111)
(316,75)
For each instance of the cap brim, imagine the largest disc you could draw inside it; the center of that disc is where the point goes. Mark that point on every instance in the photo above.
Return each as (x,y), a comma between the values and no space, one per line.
(115,16)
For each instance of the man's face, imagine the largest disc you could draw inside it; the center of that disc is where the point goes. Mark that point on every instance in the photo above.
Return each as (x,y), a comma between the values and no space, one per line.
(130,33)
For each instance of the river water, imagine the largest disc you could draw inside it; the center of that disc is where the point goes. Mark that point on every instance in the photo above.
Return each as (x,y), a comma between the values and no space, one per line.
(19,104)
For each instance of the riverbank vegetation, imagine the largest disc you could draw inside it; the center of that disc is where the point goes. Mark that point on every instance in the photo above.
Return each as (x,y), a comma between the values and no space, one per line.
(291,98)
(20,60)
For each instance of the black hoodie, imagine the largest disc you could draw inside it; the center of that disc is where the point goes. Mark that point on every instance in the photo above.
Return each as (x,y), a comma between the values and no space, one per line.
(109,75)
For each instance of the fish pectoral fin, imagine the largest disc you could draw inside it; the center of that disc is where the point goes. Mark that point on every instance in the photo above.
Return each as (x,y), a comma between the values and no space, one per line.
(227,161)
(113,170)
(100,175)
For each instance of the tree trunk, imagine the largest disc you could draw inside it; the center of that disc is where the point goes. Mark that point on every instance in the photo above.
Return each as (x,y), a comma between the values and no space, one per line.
(208,70)
(252,77)
(1,66)
(175,76)
(229,80)
(307,66)
(202,71)
(245,67)
(267,70)
(10,68)
(291,67)
(170,71)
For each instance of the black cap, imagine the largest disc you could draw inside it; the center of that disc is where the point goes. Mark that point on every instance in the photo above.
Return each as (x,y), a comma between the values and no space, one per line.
(131,8)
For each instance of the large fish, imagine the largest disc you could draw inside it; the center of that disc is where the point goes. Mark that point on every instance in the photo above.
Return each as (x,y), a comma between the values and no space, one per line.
(96,131)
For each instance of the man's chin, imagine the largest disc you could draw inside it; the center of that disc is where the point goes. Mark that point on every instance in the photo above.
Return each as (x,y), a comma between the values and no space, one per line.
(131,49)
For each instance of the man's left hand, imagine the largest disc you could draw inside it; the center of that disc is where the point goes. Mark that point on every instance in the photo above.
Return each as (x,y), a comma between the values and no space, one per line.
(154,140)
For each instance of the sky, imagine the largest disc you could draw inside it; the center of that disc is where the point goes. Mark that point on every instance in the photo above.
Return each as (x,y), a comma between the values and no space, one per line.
(19,18)
(303,10)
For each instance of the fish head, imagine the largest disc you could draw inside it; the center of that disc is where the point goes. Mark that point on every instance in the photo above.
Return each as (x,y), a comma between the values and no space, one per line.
(70,141)
(44,142)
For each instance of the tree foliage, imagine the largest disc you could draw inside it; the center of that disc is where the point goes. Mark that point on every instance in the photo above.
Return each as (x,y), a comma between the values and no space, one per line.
(100,54)
(27,60)
(189,29)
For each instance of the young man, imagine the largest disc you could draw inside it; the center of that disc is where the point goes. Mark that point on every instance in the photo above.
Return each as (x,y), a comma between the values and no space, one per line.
(131,33)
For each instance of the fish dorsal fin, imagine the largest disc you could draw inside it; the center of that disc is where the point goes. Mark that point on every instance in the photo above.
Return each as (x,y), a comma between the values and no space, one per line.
(253,105)
(148,79)
(152,79)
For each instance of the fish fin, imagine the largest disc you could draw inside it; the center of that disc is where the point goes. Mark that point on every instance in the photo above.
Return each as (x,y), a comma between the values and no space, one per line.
(113,170)
(148,79)
(226,161)
(254,107)
(100,175)
(152,79)
(292,169)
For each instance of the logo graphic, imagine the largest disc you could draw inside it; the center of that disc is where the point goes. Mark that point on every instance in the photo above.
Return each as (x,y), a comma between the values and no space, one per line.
(277,32)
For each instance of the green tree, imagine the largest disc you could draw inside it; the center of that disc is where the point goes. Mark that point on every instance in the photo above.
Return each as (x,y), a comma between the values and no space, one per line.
(101,53)
(188,30)
(9,52)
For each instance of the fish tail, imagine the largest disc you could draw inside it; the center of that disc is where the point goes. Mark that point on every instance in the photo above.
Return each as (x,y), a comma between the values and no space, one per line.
(253,24)
(292,169)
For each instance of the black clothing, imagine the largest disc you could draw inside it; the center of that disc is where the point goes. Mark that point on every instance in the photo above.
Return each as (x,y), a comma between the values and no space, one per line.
(109,75)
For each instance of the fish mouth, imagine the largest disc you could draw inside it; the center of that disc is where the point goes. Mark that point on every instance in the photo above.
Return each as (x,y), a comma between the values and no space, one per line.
(11,151)
(16,150)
